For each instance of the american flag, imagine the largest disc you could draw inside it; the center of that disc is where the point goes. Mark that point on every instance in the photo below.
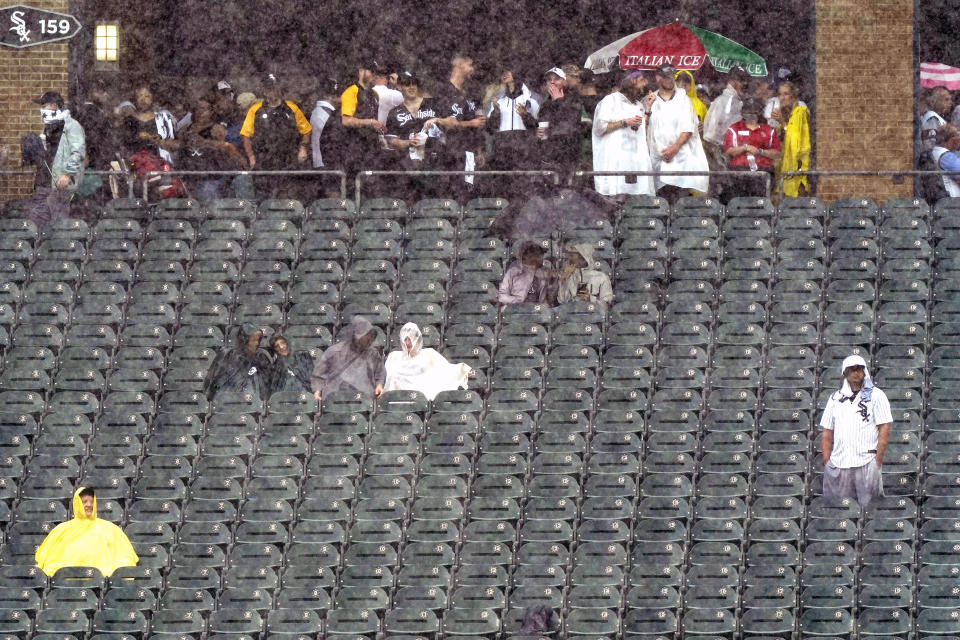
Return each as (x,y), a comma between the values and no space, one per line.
(934,74)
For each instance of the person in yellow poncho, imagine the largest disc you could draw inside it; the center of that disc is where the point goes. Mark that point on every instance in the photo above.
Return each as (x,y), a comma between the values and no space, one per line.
(86,541)
(794,120)
(685,81)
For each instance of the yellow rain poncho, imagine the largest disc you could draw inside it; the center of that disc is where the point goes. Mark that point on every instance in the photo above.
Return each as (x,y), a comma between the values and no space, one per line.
(795,155)
(85,541)
(698,106)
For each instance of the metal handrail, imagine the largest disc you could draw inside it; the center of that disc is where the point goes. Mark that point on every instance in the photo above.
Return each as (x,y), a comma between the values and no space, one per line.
(752,175)
(872,173)
(254,173)
(438,172)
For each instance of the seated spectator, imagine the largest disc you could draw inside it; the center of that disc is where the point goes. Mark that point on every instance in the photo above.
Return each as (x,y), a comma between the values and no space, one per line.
(512,118)
(750,145)
(86,541)
(289,371)
(580,281)
(415,368)
(620,138)
(353,364)
(794,138)
(241,368)
(529,280)
(944,154)
(152,129)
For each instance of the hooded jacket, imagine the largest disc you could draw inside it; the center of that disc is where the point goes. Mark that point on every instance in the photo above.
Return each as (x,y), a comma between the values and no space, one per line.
(795,155)
(347,367)
(596,281)
(70,154)
(85,541)
(237,371)
(698,106)
(519,278)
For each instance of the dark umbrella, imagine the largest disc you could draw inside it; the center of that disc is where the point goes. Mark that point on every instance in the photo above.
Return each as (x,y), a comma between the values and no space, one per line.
(542,215)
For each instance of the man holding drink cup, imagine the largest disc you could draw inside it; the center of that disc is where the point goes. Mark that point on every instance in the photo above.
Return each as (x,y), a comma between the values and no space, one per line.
(620,138)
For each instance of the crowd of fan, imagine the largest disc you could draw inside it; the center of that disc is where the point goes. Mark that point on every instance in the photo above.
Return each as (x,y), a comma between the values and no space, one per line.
(571,119)
(939,141)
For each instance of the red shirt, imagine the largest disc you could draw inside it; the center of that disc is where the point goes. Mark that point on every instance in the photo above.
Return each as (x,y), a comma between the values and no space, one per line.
(763,137)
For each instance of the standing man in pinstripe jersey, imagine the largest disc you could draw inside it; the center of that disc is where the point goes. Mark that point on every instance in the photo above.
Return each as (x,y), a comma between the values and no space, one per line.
(856,431)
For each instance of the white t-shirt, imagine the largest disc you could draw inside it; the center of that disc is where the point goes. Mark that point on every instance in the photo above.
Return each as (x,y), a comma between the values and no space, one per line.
(621,150)
(668,119)
(854,425)
(389,98)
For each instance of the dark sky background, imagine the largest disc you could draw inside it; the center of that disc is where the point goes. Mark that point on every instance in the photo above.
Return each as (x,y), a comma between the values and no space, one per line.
(234,38)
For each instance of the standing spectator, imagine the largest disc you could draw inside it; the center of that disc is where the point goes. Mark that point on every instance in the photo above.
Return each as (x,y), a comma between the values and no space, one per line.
(620,138)
(945,158)
(240,368)
(353,364)
(589,96)
(289,371)
(94,116)
(462,122)
(359,108)
(60,165)
(723,112)
(750,145)
(413,135)
(326,135)
(579,280)
(687,84)
(512,118)
(795,139)
(276,135)
(559,125)
(388,93)
(939,104)
(856,431)
(154,129)
(674,140)
(529,279)
(205,148)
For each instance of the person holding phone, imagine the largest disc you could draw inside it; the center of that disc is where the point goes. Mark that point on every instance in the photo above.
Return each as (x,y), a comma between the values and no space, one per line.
(620,138)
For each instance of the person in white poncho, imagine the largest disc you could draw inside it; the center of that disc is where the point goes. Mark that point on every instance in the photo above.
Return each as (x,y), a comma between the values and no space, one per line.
(415,368)
(620,138)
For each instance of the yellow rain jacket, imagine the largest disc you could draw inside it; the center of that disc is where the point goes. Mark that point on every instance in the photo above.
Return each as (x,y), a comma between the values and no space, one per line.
(795,155)
(698,106)
(85,542)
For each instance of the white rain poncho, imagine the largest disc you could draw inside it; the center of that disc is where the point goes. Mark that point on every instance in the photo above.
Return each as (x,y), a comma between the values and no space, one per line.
(415,368)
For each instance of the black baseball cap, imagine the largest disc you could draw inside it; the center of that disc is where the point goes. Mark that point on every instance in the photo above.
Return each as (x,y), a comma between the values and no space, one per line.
(407,78)
(51,96)
(666,70)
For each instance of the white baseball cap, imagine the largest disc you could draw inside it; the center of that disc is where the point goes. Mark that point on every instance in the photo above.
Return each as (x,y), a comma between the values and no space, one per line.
(223,85)
(557,71)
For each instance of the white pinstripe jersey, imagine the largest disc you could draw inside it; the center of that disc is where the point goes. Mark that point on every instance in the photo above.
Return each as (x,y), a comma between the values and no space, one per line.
(854,425)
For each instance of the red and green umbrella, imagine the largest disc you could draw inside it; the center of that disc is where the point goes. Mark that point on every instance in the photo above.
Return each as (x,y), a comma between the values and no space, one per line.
(681,45)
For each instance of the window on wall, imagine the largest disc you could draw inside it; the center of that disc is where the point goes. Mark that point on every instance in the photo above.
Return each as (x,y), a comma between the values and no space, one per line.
(106,43)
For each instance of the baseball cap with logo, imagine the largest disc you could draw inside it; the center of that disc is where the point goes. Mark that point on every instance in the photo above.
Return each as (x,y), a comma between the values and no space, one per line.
(557,71)
(223,85)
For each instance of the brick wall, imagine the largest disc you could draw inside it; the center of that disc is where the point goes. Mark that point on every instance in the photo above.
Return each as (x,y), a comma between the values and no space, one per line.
(24,75)
(864,110)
